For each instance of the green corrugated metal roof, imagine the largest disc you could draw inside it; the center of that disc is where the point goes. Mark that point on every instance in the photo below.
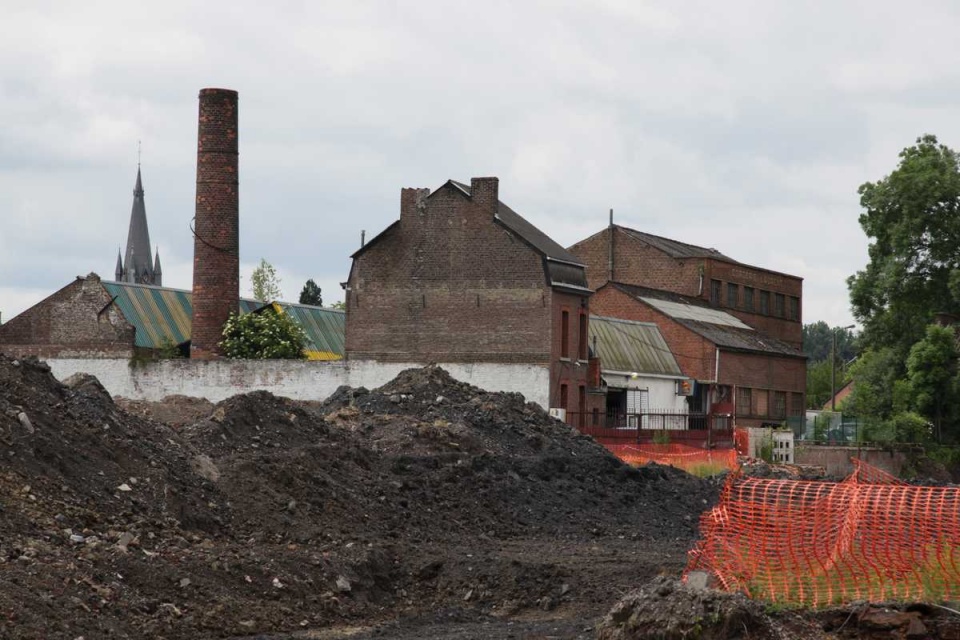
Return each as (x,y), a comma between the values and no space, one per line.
(629,346)
(324,329)
(162,317)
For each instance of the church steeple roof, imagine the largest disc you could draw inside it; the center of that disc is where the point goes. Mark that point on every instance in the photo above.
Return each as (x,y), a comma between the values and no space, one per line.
(157,273)
(137,259)
(119,272)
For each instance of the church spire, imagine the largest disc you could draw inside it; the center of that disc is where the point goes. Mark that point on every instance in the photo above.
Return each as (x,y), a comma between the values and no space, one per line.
(157,273)
(119,272)
(137,265)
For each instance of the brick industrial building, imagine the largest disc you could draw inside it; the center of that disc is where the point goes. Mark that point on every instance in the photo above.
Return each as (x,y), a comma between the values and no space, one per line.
(768,301)
(461,277)
(734,328)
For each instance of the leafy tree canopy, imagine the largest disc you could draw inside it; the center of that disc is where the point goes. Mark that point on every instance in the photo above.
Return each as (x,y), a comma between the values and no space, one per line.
(818,342)
(311,294)
(265,282)
(262,335)
(912,218)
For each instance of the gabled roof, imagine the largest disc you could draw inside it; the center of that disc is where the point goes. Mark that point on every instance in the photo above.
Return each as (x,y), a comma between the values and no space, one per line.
(163,317)
(519,225)
(565,269)
(675,248)
(719,327)
(627,346)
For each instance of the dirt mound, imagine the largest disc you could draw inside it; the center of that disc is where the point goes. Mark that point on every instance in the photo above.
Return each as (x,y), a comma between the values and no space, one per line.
(174,411)
(268,515)
(667,609)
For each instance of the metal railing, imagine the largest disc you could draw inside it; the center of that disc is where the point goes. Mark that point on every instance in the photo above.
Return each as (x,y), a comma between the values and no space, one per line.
(697,429)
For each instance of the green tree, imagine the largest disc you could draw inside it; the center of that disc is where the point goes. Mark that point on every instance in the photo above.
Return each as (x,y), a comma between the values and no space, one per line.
(912,218)
(876,395)
(818,342)
(261,335)
(311,294)
(339,304)
(931,372)
(265,282)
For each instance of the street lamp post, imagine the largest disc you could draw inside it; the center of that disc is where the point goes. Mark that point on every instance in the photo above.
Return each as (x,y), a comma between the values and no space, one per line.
(833,366)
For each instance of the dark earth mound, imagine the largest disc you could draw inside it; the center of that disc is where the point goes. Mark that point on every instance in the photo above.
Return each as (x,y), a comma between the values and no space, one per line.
(269,516)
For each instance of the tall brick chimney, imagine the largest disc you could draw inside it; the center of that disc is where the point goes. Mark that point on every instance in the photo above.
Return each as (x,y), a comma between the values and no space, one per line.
(216,237)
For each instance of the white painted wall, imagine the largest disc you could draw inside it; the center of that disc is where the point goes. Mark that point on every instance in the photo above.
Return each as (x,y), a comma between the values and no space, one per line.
(662,390)
(217,380)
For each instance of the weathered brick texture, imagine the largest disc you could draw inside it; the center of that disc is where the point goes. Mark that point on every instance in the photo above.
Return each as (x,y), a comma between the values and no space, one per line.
(78,321)
(449,283)
(638,263)
(216,248)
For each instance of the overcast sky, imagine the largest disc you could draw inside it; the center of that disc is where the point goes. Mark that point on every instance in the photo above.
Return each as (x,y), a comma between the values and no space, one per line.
(744,126)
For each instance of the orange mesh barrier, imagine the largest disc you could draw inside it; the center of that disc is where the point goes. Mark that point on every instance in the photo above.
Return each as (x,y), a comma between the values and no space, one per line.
(691,459)
(870,537)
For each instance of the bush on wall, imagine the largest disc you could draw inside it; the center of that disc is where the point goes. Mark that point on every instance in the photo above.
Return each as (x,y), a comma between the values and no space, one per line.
(262,335)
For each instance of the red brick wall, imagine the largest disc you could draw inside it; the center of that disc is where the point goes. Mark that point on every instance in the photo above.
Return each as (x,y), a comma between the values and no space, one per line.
(570,371)
(216,247)
(637,263)
(782,328)
(77,321)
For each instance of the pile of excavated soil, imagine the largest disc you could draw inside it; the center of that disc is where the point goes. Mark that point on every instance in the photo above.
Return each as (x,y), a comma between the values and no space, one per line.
(270,516)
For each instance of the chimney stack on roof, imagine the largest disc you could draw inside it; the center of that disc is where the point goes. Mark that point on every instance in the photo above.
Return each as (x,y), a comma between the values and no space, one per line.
(216,226)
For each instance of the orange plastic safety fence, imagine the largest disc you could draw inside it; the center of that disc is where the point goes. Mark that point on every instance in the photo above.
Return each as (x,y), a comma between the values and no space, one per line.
(692,459)
(819,543)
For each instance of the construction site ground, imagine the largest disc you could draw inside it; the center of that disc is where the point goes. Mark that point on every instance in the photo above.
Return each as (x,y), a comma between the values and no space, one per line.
(423,509)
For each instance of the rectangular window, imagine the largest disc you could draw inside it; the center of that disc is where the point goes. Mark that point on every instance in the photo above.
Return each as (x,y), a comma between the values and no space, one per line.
(779,404)
(760,402)
(778,305)
(733,295)
(582,344)
(582,405)
(564,334)
(794,308)
(563,396)
(796,404)
(748,298)
(716,287)
(744,401)
(765,302)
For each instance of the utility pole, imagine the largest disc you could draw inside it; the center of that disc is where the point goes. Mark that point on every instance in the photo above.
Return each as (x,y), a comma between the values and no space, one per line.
(833,366)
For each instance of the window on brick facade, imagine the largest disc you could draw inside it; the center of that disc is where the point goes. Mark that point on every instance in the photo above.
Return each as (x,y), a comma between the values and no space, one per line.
(796,404)
(779,409)
(582,405)
(582,343)
(716,288)
(563,396)
(564,334)
(733,295)
(759,400)
(778,305)
(765,302)
(794,308)
(744,401)
(748,298)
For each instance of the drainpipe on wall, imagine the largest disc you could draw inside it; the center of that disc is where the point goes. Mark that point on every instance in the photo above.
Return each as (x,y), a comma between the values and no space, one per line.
(610,247)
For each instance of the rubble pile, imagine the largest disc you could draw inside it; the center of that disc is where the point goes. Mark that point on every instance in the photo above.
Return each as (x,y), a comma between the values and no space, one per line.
(271,516)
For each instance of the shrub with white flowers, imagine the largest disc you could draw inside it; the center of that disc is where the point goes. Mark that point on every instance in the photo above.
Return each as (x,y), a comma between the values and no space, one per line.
(263,335)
